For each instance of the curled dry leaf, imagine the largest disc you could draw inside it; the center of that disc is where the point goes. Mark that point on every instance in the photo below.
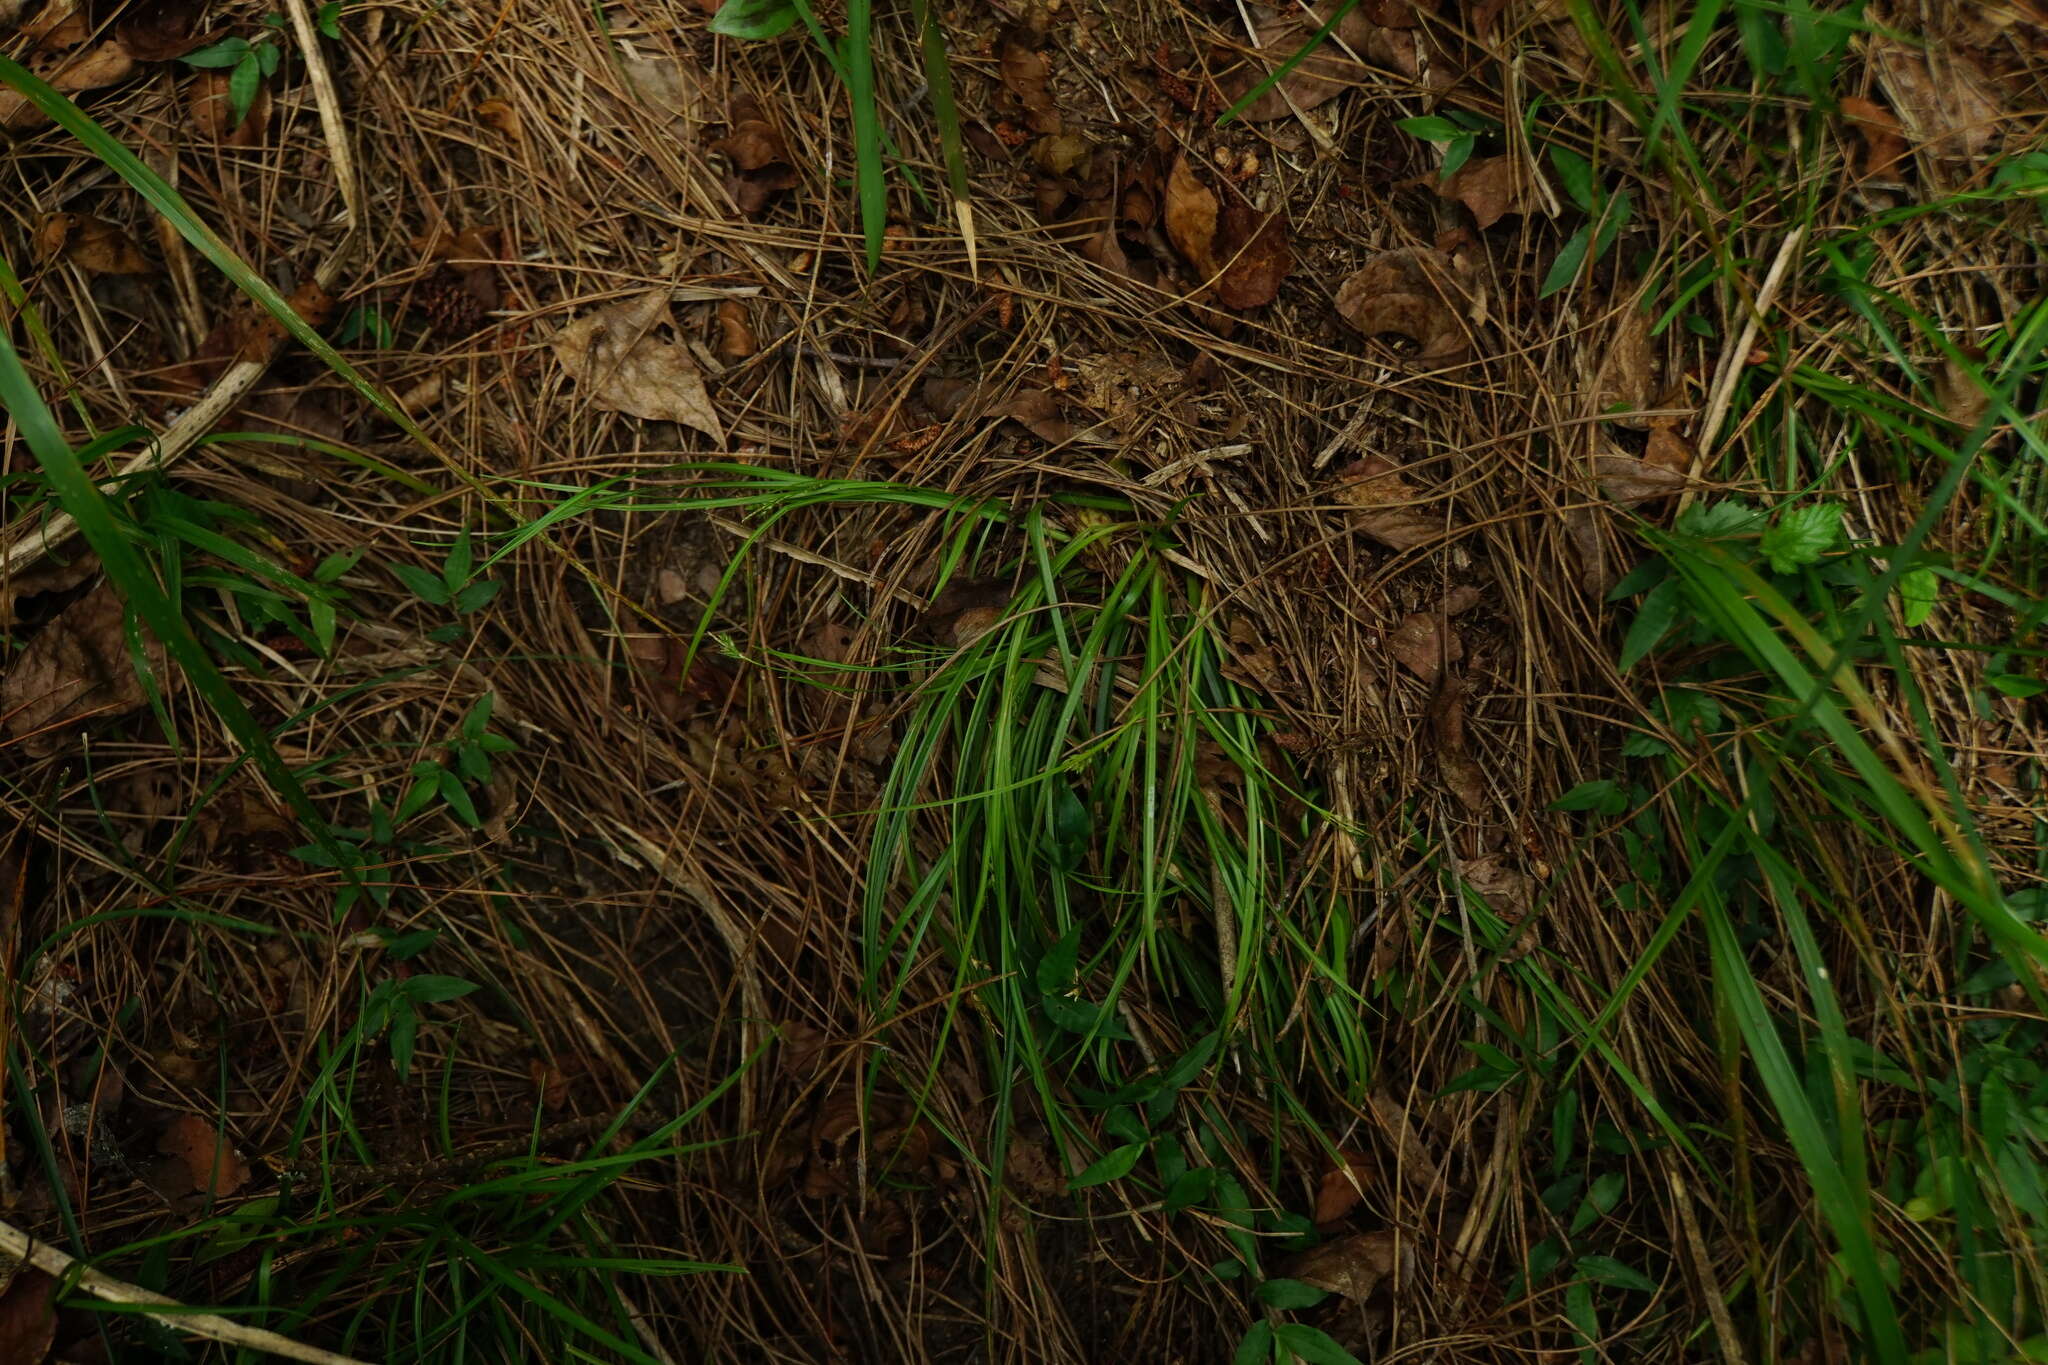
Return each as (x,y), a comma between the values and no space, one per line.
(1884,140)
(1424,643)
(76,666)
(161,30)
(501,115)
(1352,1267)
(59,26)
(1408,292)
(39,579)
(1461,775)
(1191,212)
(1948,106)
(1342,1188)
(736,339)
(1492,187)
(1663,469)
(92,244)
(621,365)
(1039,412)
(211,107)
(28,1317)
(1025,74)
(203,1157)
(1505,889)
(665,87)
(761,164)
(93,69)
(1387,506)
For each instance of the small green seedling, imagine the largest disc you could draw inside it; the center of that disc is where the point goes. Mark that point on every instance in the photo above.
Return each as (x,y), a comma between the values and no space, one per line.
(454,586)
(1606,215)
(1458,130)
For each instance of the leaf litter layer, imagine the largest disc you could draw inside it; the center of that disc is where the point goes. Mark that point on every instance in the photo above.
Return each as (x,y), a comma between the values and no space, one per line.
(1405,726)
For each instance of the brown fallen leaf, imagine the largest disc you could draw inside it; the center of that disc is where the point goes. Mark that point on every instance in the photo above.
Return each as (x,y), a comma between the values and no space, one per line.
(1948,106)
(1664,469)
(1025,74)
(38,579)
(161,30)
(1387,506)
(1256,256)
(59,25)
(203,1156)
(1492,187)
(1351,1266)
(1407,291)
(736,339)
(1039,412)
(1424,643)
(1062,154)
(1342,1188)
(761,164)
(1962,399)
(92,244)
(211,107)
(1318,78)
(1505,889)
(1462,776)
(1884,140)
(502,115)
(620,365)
(1191,211)
(93,69)
(666,87)
(75,667)
(1627,378)
(28,1317)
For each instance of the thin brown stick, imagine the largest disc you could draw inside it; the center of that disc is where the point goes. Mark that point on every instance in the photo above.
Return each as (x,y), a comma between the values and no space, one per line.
(16,1245)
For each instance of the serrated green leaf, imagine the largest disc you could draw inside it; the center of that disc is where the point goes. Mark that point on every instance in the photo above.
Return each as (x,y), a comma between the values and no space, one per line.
(1803,534)
(1719,520)
(1115,1164)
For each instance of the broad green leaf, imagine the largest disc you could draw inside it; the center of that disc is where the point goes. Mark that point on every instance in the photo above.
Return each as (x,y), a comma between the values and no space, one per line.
(1115,1164)
(1313,1344)
(1575,173)
(1654,619)
(1919,591)
(2017,685)
(754,20)
(227,52)
(1458,153)
(1565,268)
(1601,795)
(422,584)
(243,83)
(1606,1270)
(1257,1346)
(1431,128)
(1291,1294)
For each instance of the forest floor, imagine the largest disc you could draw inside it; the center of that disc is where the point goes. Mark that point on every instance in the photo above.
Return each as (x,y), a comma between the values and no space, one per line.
(1384,713)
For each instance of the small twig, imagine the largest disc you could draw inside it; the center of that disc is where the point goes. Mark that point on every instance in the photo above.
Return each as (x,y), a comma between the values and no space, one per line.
(16,1245)
(803,556)
(1732,361)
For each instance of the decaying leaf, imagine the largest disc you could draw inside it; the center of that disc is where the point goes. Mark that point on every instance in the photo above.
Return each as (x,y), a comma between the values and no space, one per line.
(761,164)
(1947,105)
(92,244)
(28,1317)
(1039,412)
(202,1156)
(43,577)
(93,69)
(1462,776)
(502,115)
(59,25)
(211,105)
(76,666)
(1492,187)
(621,365)
(1336,65)
(161,30)
(1244,253)
(1408,292)
(1884,140)
(1424,643)
(1351,1266)
(736,339)
(665,87)
(1663,469)
(1025,74)
(1388,507)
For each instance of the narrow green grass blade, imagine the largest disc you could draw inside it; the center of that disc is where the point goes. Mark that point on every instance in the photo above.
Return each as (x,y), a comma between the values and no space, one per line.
(859,54)
(131,577)
(1280,72)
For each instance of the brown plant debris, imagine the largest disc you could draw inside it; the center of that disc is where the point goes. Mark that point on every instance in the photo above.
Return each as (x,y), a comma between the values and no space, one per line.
(621,364)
